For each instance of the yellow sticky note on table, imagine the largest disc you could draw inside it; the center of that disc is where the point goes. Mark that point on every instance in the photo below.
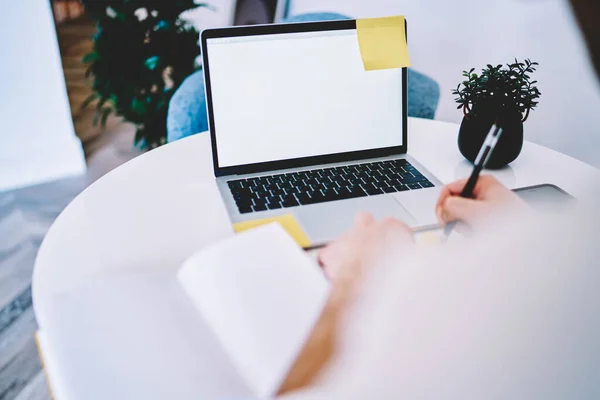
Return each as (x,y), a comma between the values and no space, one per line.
(429,238)
(382,42)
(287,221)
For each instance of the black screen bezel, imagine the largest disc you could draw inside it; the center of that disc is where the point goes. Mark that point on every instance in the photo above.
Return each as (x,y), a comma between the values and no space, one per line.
(296,162)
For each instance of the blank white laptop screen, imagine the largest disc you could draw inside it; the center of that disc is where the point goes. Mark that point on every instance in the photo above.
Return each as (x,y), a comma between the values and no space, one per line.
(285,96)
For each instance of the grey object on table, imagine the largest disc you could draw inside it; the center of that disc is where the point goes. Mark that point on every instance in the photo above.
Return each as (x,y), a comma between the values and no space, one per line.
(187,110)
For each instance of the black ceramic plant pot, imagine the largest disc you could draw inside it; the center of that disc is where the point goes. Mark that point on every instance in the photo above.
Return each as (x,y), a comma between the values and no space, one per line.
(475,127)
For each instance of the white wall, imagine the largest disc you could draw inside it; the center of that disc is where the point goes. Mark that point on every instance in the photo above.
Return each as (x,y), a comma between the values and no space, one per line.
(446,37)
(221,13)
(37,139)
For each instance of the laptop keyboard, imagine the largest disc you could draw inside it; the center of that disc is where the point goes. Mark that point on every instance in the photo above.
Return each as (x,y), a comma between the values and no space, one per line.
(326,184)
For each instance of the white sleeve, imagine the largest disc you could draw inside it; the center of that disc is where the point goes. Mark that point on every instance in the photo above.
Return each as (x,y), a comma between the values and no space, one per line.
(514,313)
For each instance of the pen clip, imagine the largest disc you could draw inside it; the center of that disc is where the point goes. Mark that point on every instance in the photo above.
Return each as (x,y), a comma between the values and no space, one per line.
(489,144)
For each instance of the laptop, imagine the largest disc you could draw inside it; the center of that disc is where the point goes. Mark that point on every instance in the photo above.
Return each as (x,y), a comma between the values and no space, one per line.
(299,127)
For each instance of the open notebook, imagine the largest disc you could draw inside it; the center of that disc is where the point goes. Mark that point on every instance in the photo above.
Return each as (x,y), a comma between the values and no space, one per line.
(229,325)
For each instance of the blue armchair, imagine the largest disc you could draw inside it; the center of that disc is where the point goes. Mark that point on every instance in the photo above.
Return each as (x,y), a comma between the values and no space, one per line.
(187,109)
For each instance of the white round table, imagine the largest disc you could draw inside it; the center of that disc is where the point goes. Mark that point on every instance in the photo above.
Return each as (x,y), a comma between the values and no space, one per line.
(154,211)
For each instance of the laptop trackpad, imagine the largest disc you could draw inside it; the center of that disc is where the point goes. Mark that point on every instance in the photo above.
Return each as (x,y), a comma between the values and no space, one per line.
(420,204)
(328,221)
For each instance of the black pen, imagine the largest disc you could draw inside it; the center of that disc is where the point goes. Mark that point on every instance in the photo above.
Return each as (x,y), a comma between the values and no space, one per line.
(480,162)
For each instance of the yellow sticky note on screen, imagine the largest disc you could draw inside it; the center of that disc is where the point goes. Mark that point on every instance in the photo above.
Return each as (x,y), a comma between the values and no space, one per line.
(382,42)
(287,221)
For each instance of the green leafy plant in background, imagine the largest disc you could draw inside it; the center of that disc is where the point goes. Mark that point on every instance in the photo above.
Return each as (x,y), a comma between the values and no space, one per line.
(142,52)
(510,88)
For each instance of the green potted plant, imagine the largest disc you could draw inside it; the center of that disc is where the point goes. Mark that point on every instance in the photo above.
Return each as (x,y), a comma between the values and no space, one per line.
(142,52)
(504,95)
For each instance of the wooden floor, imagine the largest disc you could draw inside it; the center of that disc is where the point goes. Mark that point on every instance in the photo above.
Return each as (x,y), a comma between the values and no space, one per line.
(26,215)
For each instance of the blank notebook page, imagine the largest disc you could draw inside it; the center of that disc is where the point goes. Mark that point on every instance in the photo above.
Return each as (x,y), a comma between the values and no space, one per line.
(261,294)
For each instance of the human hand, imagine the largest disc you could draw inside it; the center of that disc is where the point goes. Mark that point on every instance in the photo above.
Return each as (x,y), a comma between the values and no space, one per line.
(489,195)
(345,262)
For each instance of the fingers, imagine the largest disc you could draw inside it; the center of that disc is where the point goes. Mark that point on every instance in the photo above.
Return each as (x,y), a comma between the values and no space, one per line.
(367,232)
(328,255)
(444,194)
(456,208)
(456,187)
(484,184)
(325,259)
(363,220)
(451,189)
